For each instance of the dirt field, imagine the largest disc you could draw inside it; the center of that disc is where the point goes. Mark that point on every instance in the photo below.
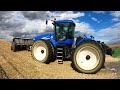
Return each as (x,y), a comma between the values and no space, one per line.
(2,74)
(114,45)
(20,65)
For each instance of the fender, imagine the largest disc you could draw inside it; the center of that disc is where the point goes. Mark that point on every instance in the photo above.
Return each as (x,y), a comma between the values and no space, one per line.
(49,36)
(84,39)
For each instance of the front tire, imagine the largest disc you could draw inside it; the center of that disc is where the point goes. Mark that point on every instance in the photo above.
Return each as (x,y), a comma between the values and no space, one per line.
(42,51)
(88,57)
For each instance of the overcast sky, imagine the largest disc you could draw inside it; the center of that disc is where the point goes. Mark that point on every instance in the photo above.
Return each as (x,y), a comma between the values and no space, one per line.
(103,25)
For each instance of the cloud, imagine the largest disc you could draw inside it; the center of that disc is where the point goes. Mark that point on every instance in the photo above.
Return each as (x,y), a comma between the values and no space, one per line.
(65,15)
(6,35)
(84,28)
(4,15)
(11,22)
(111,33)
(43,15)
(95,19)
(37,26)
(116,19)
(116,15)
(32,15)
(18,24)
(31,23)
(99,12)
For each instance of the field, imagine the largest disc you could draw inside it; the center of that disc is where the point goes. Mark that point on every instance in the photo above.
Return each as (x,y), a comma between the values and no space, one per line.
(114,45)
(20,65)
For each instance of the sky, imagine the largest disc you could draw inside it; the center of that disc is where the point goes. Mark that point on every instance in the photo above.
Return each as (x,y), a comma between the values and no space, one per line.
(103,25)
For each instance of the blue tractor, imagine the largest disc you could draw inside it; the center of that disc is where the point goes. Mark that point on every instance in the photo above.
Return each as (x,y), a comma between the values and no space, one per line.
(86,54)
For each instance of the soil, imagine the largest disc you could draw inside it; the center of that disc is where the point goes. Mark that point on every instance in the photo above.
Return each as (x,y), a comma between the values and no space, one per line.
(20,65)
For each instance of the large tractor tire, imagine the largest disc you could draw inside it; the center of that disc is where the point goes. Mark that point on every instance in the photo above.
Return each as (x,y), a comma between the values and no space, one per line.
(88,57)
(43,51)
(13,47)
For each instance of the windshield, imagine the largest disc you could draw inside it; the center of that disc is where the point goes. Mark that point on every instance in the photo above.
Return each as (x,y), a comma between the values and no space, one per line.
(64,31)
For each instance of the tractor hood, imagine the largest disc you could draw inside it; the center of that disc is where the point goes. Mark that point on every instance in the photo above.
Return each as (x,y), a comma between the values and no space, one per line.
(43,36)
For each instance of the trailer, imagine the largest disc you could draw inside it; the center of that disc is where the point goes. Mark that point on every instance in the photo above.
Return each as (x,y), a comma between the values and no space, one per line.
(19,44)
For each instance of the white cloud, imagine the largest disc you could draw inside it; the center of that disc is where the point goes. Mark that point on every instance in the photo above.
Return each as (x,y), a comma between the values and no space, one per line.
(98,12)
(84,28)
(65,15)
(116,19)
(95,19)
(37,25)
(116,15)
(111,33)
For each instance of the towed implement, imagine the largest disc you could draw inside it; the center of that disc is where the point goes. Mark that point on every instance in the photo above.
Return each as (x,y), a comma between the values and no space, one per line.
(21,44)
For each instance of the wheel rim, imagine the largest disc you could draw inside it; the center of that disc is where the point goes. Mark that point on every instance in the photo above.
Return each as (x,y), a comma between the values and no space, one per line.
(39,52)
(87,58)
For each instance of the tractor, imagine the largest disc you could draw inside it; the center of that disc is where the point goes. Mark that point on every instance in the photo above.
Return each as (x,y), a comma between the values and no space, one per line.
(86,54)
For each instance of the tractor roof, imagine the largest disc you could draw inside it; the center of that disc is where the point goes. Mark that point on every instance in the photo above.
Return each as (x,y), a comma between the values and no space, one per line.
(64,21)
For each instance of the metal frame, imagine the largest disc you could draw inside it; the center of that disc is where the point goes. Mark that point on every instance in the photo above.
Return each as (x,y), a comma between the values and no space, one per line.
(23,43)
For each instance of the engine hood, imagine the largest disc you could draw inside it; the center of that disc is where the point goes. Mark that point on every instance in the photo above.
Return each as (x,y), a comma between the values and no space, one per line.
(43,36)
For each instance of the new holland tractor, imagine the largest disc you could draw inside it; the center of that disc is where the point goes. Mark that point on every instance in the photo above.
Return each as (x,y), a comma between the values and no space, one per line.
(86,54)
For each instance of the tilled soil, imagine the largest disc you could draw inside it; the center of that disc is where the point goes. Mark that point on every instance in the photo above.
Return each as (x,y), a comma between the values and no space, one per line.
(2,74)
(20,65)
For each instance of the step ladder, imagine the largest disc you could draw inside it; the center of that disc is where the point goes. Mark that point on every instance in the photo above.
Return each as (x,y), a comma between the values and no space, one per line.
(60,54)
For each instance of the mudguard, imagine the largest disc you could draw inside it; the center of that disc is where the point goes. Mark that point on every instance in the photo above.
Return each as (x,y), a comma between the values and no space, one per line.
(49,36)
(84,39)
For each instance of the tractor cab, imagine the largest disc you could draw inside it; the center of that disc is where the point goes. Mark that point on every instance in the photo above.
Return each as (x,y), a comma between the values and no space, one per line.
(64,31)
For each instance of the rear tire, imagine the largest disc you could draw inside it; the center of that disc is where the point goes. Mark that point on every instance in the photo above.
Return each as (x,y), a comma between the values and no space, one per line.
(45,52)
(88,57)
